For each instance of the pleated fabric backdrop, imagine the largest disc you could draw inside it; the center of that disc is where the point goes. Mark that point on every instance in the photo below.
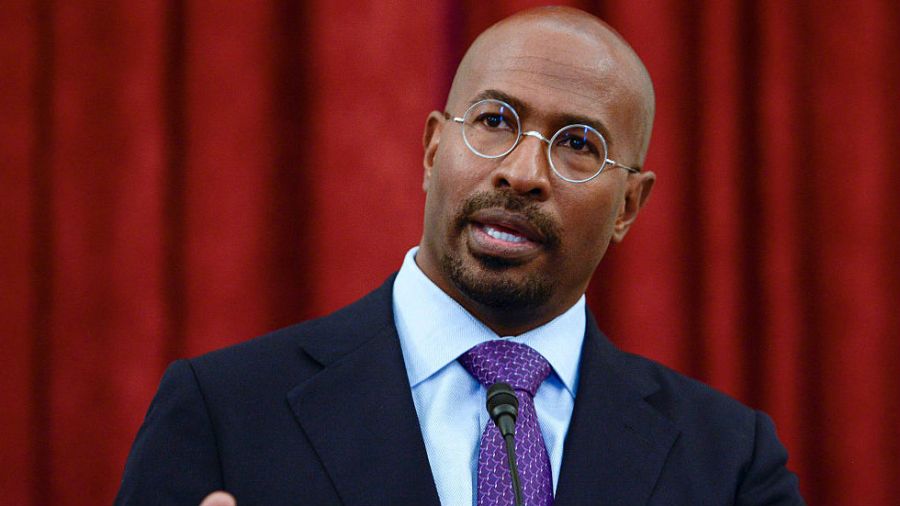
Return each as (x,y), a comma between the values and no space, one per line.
(180,175)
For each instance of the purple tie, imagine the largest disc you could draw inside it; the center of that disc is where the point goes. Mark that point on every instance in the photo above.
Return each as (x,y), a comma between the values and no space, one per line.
(524,369)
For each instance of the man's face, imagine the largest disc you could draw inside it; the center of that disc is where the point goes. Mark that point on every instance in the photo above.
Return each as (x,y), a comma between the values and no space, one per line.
(507,236)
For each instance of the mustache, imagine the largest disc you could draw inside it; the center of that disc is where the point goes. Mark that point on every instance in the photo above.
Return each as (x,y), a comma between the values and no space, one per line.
(511,201)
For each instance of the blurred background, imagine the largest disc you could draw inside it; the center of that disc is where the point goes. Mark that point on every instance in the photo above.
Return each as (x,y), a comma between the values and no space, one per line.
(181,175)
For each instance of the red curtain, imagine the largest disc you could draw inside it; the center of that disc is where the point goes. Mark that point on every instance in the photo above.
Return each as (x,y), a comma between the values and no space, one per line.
(177,176)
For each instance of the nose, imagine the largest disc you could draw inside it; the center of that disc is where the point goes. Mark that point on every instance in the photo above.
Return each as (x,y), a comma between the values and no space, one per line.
(526,169)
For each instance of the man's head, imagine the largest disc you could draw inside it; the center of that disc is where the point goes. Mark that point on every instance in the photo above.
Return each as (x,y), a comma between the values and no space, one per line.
(506,237)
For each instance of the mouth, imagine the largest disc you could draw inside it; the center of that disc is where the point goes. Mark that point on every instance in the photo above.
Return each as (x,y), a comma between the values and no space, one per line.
(503,234)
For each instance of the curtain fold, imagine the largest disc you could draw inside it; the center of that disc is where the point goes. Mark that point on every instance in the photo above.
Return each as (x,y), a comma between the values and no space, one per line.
(177,176)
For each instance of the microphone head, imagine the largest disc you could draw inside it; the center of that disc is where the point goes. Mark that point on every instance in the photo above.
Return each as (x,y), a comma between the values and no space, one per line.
(502,400)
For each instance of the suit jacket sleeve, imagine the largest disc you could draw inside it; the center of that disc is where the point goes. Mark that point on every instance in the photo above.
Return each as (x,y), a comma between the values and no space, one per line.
(767,480)
(174,459)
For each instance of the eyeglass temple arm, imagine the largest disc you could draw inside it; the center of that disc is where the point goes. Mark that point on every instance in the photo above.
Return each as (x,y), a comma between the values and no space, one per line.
(617,164)
(455,119)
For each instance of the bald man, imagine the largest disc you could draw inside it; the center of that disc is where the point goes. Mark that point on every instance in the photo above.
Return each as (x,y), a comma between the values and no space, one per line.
(533,167)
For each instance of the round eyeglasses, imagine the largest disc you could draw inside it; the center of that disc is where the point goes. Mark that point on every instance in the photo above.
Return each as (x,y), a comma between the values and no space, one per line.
(577,153)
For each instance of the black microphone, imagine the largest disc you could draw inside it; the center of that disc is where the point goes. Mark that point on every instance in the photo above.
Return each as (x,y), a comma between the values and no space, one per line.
(503,407)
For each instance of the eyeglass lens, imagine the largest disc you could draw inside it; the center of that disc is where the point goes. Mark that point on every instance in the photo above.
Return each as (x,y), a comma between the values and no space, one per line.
(491,128)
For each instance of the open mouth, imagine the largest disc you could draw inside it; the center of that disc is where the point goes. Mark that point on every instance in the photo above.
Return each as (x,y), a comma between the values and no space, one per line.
(504,234)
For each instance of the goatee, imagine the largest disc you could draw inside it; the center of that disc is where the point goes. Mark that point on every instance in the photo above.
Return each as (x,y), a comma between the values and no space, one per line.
(488,285)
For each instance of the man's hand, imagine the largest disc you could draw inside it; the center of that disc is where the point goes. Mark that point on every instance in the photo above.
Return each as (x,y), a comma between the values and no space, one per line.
(219,499)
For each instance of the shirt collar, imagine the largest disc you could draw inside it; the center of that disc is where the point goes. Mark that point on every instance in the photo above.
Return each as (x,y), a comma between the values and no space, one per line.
(435,330)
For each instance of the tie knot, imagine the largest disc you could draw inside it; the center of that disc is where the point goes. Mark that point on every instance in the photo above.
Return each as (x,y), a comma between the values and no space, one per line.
(508,362)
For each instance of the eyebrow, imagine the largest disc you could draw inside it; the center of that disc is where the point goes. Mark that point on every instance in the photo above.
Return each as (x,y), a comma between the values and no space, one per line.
(562,119)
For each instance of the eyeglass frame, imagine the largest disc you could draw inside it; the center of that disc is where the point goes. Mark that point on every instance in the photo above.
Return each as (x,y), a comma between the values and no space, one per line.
(538,135)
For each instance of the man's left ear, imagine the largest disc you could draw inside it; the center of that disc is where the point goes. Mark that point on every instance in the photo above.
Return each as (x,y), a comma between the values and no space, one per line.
(639,186)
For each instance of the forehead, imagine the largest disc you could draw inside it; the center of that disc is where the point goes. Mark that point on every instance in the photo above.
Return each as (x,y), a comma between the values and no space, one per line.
(554,72)
(568,66)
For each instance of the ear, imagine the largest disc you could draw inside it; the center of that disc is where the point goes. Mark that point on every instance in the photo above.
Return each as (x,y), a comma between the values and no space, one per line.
(639,186)
(430,141)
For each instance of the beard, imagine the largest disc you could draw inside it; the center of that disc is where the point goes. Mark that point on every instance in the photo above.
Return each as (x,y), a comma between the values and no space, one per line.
(491,281)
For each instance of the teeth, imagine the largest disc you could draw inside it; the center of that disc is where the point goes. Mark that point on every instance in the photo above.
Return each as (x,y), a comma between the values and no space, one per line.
(503,236)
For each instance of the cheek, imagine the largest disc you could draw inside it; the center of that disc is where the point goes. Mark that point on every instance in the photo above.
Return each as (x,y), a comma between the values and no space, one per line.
(450,182)
(589,229)
(457,174)
(593,239)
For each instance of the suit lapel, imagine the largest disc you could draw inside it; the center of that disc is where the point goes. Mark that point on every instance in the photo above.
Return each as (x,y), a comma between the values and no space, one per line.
(358,411)
(617,443)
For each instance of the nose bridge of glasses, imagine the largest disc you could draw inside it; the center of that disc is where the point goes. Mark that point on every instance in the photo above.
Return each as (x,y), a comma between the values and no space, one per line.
(536,135)
(544,152)
(526,170)
(532,169)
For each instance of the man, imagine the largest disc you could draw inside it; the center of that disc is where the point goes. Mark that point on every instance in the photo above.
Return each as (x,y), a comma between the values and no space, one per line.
(531,170)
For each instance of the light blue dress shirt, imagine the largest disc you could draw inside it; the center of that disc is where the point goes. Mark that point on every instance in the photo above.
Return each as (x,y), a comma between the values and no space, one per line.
(434,331)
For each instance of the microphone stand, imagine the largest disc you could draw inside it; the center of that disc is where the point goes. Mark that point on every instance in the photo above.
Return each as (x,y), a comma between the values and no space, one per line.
(503,407)
(513,468)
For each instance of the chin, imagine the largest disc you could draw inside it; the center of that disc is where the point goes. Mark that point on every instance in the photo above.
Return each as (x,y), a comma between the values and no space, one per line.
(497,283)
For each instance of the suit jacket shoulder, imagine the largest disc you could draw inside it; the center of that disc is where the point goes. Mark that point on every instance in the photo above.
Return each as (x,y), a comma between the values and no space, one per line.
(316,413)
(674,440)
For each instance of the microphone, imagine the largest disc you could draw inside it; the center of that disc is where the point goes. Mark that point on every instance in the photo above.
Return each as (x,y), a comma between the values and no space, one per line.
(503,408)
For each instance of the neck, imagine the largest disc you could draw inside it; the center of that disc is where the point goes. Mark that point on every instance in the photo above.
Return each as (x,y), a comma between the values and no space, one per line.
(506,321)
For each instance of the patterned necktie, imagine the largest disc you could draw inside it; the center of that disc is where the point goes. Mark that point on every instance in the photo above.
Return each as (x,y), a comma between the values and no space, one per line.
(524,369)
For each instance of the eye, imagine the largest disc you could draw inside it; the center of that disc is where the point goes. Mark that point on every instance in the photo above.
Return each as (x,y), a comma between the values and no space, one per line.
(495,121)
(577,143)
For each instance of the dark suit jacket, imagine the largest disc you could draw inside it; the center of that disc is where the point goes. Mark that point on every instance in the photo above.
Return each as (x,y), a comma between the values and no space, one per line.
(322,413)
